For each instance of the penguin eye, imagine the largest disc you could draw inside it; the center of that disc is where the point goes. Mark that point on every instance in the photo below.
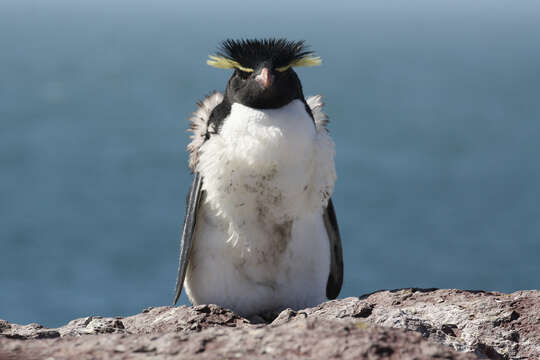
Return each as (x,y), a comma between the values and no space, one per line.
(243,74)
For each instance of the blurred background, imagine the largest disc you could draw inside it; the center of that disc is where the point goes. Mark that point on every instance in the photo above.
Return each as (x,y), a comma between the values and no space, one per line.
(434,107)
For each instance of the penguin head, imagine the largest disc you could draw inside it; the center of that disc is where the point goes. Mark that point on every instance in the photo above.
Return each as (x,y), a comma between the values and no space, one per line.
(263,76)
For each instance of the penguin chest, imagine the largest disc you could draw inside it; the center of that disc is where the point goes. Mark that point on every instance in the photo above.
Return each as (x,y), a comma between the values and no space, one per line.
(261,169)
(261,243)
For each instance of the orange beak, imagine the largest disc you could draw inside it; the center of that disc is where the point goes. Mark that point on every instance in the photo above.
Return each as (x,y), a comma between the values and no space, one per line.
(264,78)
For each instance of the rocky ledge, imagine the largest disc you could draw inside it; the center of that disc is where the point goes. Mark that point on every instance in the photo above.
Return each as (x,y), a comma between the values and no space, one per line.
(398,324)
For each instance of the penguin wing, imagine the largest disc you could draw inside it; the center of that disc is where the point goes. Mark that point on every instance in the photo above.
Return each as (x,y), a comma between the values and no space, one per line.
(335,278)
(192,205)
(200,128)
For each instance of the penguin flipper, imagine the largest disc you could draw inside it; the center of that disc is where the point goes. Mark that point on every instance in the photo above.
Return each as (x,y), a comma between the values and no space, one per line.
(201,128)
(335,278)
(192,206)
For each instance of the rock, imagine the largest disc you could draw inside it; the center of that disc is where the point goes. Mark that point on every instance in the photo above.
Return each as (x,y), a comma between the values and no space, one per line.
(490,324)
(398,324)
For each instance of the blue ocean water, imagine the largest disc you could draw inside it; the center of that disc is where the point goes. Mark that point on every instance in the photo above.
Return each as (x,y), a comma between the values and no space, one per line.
(434,108)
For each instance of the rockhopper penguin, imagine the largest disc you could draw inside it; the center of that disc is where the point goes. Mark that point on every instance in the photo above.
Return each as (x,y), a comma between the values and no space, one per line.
(260,232)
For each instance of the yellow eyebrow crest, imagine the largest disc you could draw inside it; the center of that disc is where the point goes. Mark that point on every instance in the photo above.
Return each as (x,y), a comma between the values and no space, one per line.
(284,68)
(305,61)
(221,62)
(308,61)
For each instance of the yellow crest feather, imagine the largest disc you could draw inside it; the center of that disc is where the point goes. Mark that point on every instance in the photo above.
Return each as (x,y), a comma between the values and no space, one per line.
(221,62)
(307,61)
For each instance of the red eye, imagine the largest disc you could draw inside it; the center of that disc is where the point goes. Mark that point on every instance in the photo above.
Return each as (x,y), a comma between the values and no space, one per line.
(242,74)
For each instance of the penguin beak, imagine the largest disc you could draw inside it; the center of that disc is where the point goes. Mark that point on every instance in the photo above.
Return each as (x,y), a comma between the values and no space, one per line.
(264,78)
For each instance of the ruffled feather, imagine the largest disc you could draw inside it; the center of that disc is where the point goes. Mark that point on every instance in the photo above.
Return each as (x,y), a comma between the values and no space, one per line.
(199,121)
(199,125)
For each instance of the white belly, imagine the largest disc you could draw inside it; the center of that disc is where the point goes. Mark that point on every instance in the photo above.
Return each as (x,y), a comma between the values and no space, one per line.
(293,275)
(260,243)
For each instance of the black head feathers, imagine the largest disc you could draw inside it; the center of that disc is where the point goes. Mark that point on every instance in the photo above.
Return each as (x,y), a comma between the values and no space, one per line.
(247,54)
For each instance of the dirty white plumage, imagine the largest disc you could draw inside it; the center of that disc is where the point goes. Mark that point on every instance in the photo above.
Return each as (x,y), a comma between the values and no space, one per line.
(260,242)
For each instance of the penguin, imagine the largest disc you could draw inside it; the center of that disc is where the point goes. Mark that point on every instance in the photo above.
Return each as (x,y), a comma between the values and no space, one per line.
(260,232)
